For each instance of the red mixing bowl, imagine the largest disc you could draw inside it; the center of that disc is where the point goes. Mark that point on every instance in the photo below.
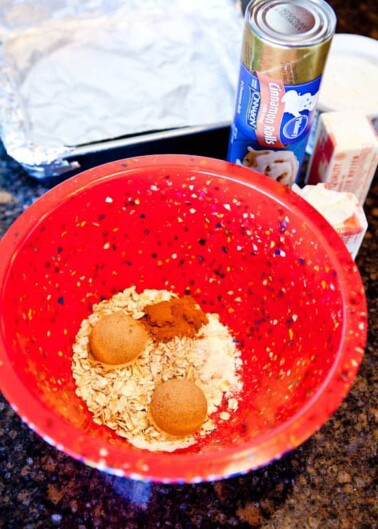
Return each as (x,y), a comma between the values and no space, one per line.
(243,245)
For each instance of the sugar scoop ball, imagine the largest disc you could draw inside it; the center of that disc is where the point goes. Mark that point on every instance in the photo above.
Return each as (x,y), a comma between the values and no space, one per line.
(178,407)
(117,339)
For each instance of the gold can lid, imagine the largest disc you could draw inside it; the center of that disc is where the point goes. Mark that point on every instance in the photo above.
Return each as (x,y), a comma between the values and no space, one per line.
(291,23)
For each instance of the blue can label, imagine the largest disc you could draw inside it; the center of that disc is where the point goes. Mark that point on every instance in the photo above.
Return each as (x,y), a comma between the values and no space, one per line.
(272,118)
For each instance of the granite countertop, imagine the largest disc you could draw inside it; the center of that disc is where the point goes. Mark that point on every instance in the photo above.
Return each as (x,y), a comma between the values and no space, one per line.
(329,482)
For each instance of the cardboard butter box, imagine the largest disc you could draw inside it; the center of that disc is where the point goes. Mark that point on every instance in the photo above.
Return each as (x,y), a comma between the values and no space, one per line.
(345,155)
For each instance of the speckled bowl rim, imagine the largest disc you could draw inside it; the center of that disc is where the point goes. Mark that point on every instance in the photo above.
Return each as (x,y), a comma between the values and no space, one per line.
(209,466)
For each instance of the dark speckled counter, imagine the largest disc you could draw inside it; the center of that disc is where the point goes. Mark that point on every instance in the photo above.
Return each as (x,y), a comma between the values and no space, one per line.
(329,482)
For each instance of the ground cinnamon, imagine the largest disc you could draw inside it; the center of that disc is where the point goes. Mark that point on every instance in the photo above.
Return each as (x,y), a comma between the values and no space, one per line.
(177,317)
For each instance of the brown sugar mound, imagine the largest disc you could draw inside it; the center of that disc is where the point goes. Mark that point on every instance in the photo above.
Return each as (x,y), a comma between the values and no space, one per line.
(177,317)
(117,339)
(178,407)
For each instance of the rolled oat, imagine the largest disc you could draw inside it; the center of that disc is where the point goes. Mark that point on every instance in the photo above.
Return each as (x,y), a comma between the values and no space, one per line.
(120,397)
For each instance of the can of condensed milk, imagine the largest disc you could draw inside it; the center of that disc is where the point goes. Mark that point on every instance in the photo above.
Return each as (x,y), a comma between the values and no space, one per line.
(284,50)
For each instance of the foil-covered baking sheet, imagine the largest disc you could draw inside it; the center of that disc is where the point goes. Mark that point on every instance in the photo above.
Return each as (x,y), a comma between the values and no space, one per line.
(82,76)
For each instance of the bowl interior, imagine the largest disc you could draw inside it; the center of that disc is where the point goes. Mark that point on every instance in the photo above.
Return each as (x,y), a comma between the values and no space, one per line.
(255,253)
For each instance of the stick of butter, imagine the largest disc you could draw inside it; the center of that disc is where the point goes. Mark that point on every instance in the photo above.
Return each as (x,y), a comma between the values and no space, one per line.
(345,155)
(341,210)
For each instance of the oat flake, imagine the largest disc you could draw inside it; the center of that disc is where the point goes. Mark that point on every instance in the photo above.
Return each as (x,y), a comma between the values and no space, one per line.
(120,397)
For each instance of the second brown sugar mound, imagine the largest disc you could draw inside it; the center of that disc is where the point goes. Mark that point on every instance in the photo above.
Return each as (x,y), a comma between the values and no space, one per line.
(177,317)
(178,407)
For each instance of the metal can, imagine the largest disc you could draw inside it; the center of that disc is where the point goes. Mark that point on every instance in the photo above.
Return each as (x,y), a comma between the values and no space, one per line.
(284,50)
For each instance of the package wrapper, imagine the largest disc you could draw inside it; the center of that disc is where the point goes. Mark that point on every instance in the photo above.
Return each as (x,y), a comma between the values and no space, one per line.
(341,210)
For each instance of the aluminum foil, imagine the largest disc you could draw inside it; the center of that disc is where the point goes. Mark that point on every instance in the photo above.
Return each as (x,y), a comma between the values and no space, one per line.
(79,75)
